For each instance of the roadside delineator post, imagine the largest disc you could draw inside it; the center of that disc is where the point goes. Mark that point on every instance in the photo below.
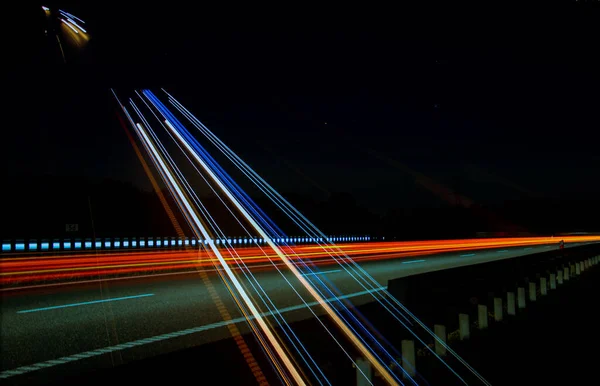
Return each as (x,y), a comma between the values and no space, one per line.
(498,309)
(408,358)
(440,331)
(543,286)
(364,372)
(521,298)
(510,303)
(482,316)
(532,292)
(463,326)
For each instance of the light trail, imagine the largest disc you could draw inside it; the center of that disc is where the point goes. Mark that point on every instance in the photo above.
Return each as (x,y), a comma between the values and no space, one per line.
(69,25)
(242,265)
(240,341)
(350,334)
(84,303)
(190,213)
(250,255)
(244,270)
(71,15)
(76,25)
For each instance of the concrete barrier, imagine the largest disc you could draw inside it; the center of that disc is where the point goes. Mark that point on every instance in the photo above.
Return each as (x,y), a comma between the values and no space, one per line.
(440,331)
(364,372)
(408,358)
(510,303)
(463,326)
(521,298)
(543,286)
(482,316)
(498,309)
(532,292)
(553,280)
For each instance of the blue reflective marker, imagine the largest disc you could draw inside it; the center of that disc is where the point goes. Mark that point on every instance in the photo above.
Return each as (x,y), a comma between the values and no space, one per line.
(322,272)
(78,245)
(107,244)
(179,242)
(55,245)
(84,303)
(32,246)
(228,241)
(6,247)
(207,241)
(468,255)
(150,243)
(125,244)
(19,247)
(142,243)
(158,243)
(134,243)
(45,246)
(187,242)
(67,245)
(413,261)
(88,244)
(98,244)
(193,241)
(218,240)
(117,244)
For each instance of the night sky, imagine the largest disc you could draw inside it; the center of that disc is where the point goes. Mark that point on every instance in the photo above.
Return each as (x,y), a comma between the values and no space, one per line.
(498,107)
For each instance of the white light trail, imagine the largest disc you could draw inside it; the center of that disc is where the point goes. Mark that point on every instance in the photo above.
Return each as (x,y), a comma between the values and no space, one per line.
(238,286)
(69,25)
(70,15)
(75,24)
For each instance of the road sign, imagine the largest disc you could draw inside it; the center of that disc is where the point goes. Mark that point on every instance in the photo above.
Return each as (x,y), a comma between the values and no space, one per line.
(72,227)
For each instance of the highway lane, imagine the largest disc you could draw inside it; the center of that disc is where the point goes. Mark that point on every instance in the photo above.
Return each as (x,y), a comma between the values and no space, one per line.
(146,308)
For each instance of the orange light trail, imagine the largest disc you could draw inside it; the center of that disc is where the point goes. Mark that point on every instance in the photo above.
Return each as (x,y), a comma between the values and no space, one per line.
(23,270)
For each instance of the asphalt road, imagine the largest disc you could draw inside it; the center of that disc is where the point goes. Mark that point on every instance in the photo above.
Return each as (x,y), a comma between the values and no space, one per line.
(46,331)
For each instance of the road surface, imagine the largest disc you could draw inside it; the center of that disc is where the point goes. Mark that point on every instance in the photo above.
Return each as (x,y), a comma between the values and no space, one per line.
(99,324)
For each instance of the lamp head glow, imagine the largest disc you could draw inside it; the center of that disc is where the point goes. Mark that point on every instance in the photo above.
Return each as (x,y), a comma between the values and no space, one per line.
(45,8)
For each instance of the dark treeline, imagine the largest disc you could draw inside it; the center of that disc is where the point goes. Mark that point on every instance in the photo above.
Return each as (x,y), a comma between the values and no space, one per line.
(41,208)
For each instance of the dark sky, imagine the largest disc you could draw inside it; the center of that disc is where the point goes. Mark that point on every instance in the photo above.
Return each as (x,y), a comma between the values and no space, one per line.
(498,105)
